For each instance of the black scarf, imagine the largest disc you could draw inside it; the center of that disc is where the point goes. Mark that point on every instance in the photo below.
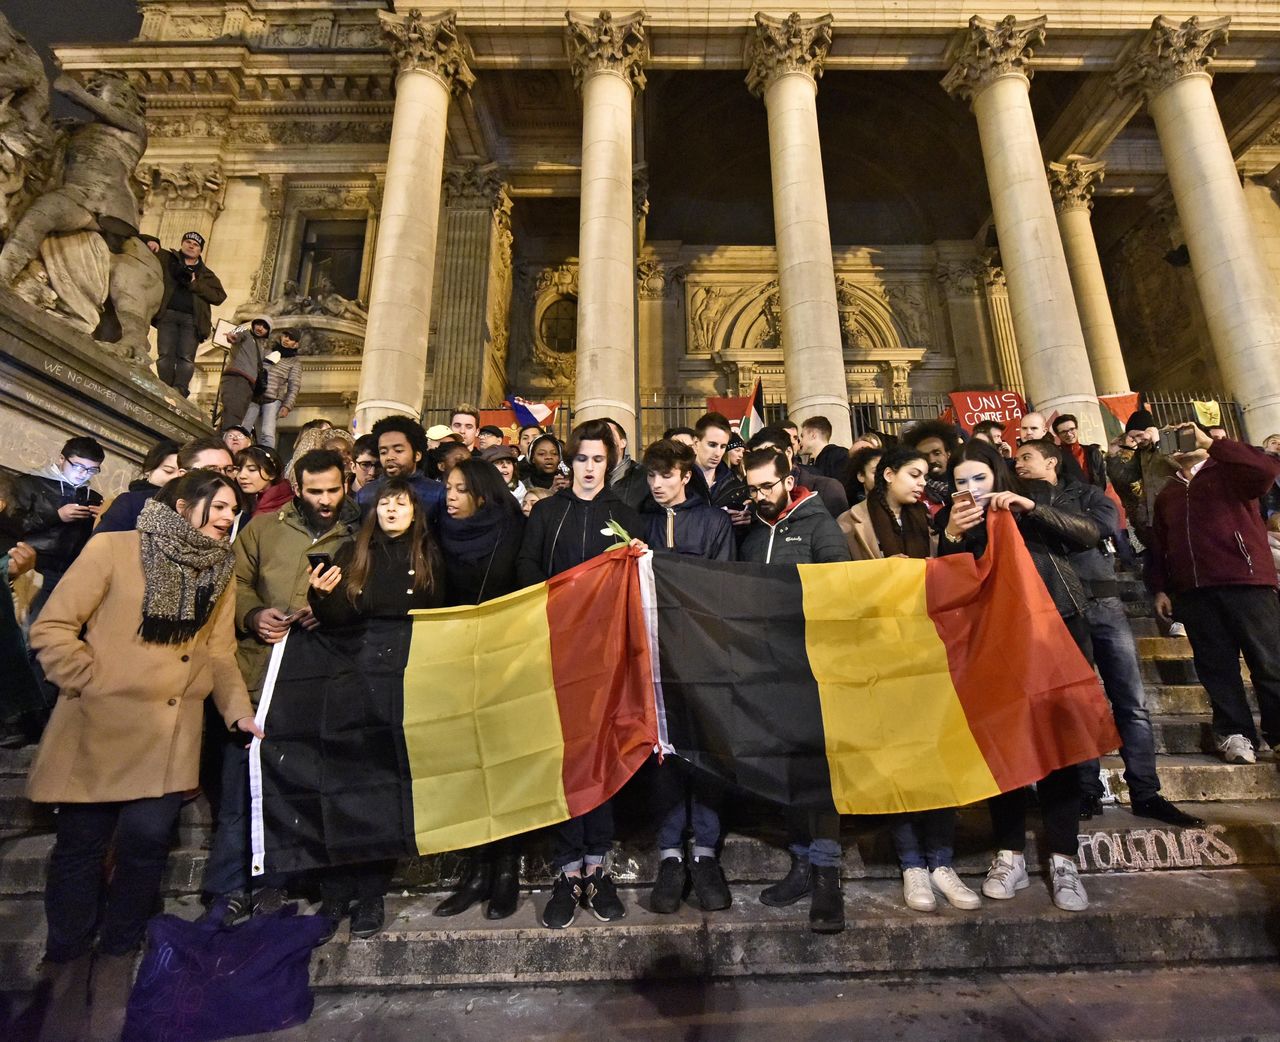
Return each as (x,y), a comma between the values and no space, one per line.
(474,537)
(910,537)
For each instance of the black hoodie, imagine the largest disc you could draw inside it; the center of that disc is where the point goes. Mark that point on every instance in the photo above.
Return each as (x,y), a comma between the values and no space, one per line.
(563,531)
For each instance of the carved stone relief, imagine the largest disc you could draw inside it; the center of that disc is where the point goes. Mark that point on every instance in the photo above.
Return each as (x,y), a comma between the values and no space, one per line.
(993,49)
(536,289)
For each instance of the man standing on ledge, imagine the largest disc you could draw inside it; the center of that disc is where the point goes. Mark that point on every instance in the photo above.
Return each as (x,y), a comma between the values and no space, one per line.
(184,322)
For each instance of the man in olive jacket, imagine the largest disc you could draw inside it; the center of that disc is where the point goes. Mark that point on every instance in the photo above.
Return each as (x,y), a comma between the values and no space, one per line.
(271,579)
(184,320)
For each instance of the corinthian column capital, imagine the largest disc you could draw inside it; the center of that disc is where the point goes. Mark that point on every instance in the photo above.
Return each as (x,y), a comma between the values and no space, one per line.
(783,45)
(1072,183)
(991,50)
(1169,52)
(605,45)
(429,43)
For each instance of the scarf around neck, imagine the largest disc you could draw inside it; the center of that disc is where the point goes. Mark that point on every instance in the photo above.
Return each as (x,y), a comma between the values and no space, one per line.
(469,539)
(910,538)
(185,573)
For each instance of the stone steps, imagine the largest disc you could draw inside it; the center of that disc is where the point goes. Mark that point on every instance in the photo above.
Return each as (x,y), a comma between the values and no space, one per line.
(1243,832)
(1133,920)
(1196,777)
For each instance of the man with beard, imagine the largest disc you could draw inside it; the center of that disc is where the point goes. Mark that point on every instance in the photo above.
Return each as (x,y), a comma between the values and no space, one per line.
(829,490)
(791,527)
(402,449)
(271,577)
(939,442)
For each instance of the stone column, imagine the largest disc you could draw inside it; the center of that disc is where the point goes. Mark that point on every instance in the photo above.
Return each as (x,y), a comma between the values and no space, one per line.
(1236,289)
(993,73)
(1008,363)
(607,60)
(961,277)
(786,58)
(1072,184)
(433,65)
(477,253)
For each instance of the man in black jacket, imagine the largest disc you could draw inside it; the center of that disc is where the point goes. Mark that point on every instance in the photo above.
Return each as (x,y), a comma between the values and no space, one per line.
(815,439)
(563,531)
(1081,462)
(628,478)
(680,522)
(791,528)
(184,320)
(1115,653)
(56,510)
(712,478)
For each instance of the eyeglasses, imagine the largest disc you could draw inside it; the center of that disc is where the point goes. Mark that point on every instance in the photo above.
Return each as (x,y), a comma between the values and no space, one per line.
(84,468)
(1066,430)
(373,465)
(756,491)
(229,472)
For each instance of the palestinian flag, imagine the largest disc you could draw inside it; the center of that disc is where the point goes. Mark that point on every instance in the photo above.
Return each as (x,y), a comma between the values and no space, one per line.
(875,686)
(454,727)
(753,418)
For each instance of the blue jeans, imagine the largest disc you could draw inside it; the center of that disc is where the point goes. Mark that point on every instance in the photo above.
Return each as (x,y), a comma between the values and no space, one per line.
(815,837)
(1116,656)
(227,869)
(265,415)
(924,839)
(684,800)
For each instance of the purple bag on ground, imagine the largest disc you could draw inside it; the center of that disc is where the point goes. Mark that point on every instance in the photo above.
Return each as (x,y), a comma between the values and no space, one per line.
(200,982)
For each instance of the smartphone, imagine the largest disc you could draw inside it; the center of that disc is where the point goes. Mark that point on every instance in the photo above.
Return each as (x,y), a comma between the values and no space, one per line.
(1182,439)
(313,560)
(963,499)
(82,495)
(563,468)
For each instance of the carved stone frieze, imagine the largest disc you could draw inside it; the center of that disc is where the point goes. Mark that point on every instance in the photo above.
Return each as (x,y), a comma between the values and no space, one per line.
(991,50)
(910,306)
(301,132)
(779,46)
(605,45)
(429,44)
(1171,51)
(357,36)
(192,126)
(962,278)
(190,186)
(656,280)
(194,27)
(1073,183)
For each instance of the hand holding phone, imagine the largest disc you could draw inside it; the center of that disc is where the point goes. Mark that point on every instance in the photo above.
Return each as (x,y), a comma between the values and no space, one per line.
(963,500)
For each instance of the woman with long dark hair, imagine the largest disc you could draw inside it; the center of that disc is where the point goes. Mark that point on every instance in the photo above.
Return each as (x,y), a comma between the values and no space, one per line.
(1050,534)
(480,533)
(391,568)
(263,486)
(135,638)
(158,468)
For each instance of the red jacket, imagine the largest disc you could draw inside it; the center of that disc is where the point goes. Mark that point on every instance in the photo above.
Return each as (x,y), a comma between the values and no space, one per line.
(1208,531)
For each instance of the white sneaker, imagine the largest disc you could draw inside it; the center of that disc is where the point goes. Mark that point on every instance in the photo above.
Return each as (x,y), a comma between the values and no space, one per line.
(1068,891)
(1236,748)
(1006,876)
(917,891)
(950,886)
(1176,629)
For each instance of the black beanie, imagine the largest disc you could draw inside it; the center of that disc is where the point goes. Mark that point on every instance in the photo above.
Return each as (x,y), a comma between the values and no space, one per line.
(1140,421)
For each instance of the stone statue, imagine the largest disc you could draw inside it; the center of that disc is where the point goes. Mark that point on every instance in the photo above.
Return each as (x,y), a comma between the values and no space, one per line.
(135,290)
(98,162)
(326,300)
(287,302)
(26,135)
(705,306)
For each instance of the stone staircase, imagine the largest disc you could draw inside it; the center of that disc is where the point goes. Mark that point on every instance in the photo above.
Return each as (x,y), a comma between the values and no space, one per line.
(1158,894)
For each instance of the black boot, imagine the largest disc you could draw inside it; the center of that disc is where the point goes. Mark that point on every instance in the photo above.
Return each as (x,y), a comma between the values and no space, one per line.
(475,886)
(505,893)
(826,906)
(793,886)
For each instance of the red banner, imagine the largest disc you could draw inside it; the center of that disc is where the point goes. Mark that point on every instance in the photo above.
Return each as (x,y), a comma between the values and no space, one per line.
(972,407)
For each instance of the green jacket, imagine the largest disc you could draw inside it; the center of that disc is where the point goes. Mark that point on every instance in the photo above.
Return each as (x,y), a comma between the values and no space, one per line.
(272,572)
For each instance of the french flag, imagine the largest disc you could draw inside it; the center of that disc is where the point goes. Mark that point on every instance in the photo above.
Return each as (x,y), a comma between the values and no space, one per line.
(533,413)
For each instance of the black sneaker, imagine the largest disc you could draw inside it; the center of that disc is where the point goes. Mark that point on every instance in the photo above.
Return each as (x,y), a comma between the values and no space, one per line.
(367,917)
(563,906)
(668,889)
(1160,809)
(268,900)
(1090,807)
(709,885)
(333,911)
(600,897)
(228,909)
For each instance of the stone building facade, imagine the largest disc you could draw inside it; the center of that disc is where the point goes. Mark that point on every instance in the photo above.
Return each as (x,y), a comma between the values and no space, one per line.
(869,200)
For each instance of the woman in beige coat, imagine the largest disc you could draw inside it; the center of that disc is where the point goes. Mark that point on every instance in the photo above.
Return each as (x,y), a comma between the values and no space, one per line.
(135,637)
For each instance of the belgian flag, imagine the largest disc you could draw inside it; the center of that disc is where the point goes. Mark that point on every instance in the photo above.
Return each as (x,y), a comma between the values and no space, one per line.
(868,687)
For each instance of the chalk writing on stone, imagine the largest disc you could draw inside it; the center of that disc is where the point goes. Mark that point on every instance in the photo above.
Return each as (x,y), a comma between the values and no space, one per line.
(1153,850)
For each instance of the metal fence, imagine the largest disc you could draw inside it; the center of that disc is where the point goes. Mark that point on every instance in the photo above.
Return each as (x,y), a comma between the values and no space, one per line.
(1171,407)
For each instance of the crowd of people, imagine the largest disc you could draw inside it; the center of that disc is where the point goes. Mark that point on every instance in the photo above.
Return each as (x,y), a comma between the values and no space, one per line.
(179,588)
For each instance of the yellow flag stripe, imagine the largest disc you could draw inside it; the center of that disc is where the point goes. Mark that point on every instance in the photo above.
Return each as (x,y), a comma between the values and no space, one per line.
(481,723)
(896,735)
